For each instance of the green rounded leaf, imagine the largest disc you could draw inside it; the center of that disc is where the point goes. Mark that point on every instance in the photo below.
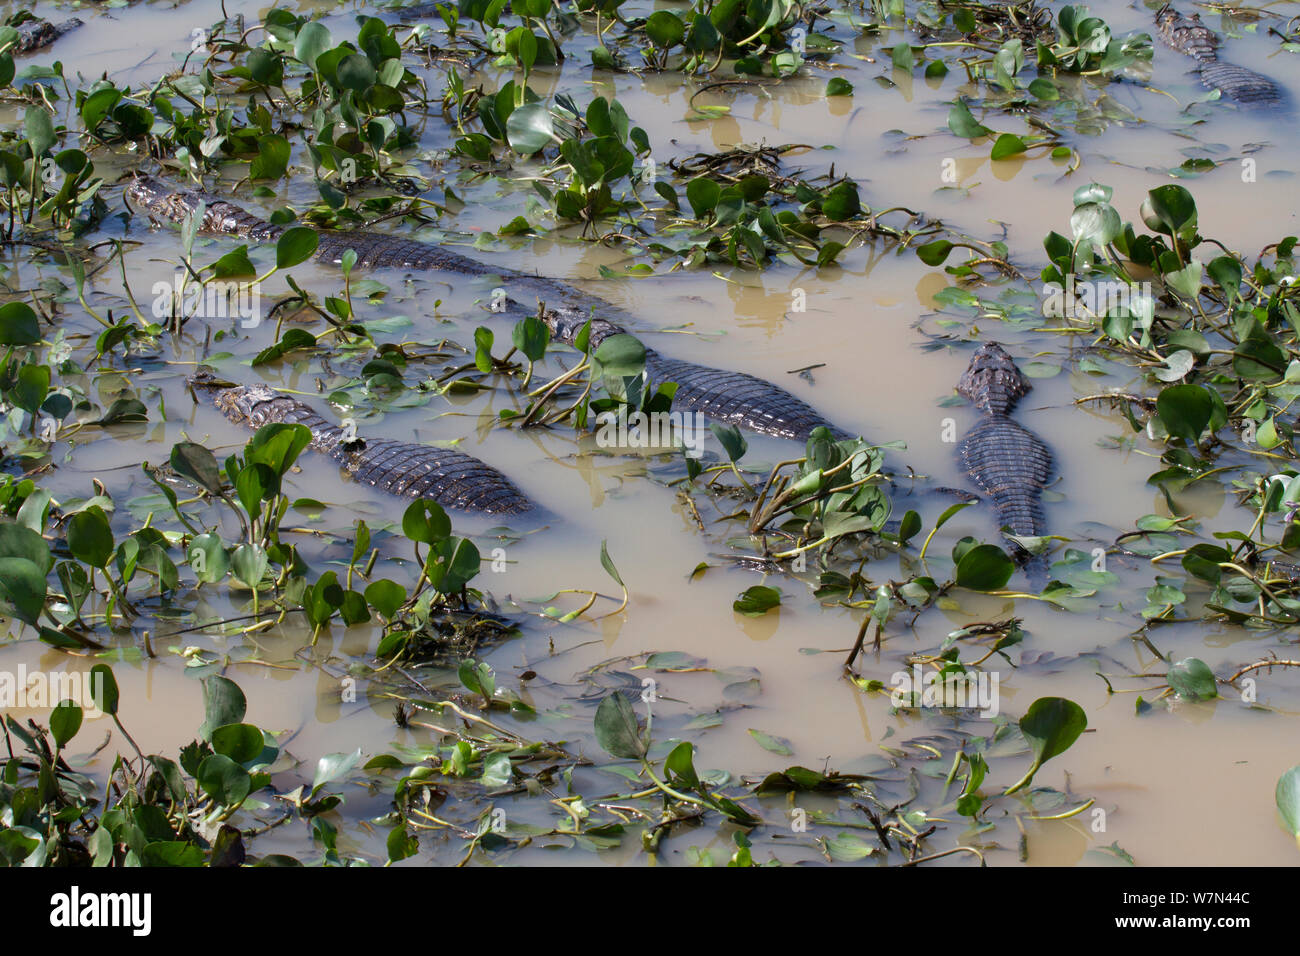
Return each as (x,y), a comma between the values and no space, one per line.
(254,483)
(1227,272)
(963,123)
(65,721)
(985,567)
(530,128)
(1170,210)
(531,336)
(425,521)
(22,589)
(171,853)
(31,388)
(731,440)
(1185,410)
(90,539)
(401,844)
(295,245)
(207,557)
(665,29)
(680,767)
(240,742)
(620,356)
(757,600)
(273,152)
(934,253)
(312,40)
(333,766)
(223,703)
(356,72)
(249,564)
(452,564)
(1192,679)
(1050,727)
(223,780)
(703,195)
(196,463)
(39,129)
(105,687)
(18,324)
(842,202)
(277,446)
(1095,222)
(1008,144)
(385,596)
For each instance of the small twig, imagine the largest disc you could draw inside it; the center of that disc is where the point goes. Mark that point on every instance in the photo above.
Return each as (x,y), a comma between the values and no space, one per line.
(956,849)
(1259,664)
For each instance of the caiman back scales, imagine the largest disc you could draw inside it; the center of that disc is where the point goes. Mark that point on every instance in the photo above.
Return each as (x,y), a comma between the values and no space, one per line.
(1010,464)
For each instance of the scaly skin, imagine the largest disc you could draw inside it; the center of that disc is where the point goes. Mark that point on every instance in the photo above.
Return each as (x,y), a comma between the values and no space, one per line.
(451,478)
(38,34)
(1240,84)
(1009,463)
(731,397)
(1189,36)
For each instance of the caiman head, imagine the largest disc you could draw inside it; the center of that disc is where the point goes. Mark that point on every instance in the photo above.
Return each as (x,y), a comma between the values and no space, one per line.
(1167,16)
(252,405)
(161,199)
(165,201)
(566,323)
(991,381)
(1187,34)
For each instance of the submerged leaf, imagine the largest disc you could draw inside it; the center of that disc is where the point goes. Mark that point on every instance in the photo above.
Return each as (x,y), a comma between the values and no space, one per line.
(617,729)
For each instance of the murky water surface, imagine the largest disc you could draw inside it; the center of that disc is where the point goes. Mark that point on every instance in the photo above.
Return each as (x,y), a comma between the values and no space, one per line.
(1206,769)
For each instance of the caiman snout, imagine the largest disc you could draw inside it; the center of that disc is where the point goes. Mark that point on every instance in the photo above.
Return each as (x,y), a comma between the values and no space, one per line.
(160,199)
(145,191)
(242,404)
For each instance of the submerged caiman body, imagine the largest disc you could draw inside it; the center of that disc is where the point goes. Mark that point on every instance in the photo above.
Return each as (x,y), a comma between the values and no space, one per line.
(451,478)
(38,34)
(1010,464)
(731,397)
(1188,35)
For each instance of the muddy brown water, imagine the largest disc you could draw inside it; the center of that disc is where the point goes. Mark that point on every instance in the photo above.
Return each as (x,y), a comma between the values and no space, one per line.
(1192,784)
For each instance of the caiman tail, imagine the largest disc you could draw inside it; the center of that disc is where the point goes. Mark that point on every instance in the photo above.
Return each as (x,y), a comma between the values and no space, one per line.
(1010,464)
(411,470)
(730,397)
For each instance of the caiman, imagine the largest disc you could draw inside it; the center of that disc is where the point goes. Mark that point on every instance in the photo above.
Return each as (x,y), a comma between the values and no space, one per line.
(38,34)
(1009,463)
(731,397)
(451,478)
(1188,35)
